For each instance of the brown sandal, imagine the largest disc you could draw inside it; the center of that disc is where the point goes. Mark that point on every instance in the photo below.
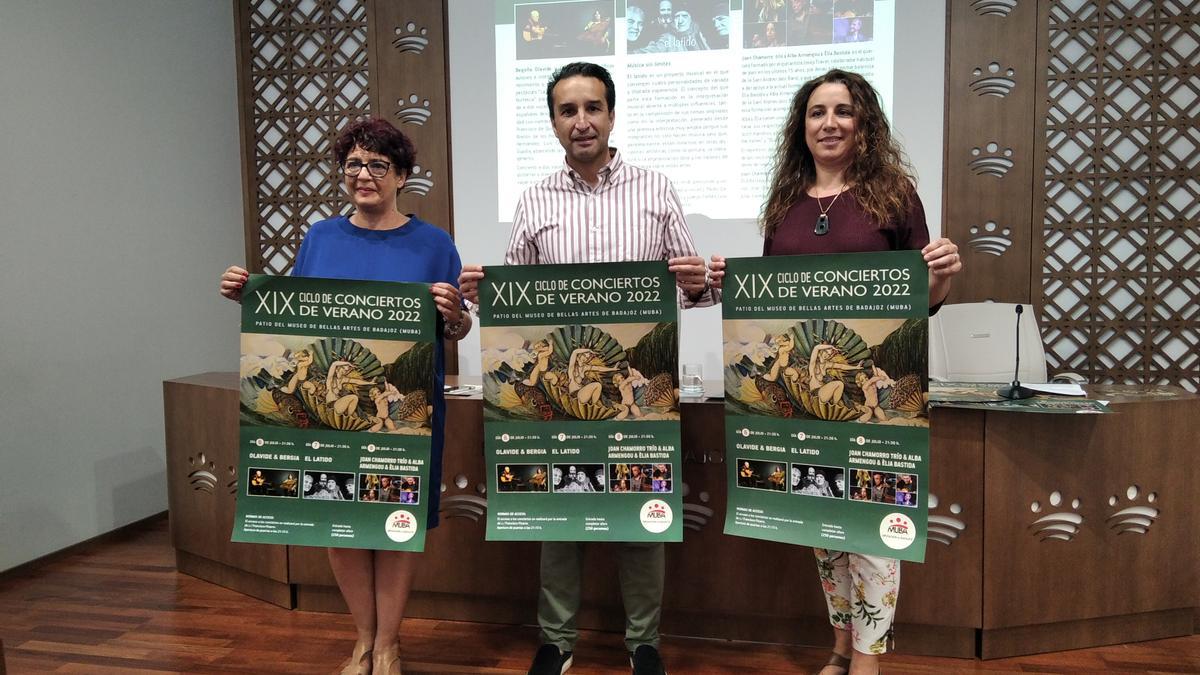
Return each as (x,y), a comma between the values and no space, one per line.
(837,661)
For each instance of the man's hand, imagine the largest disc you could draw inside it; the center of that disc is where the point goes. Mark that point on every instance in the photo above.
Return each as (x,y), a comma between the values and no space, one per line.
(690,274)
(468,282)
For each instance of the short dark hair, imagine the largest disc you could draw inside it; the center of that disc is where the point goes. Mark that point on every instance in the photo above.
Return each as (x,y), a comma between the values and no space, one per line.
(582,69)
(379,136)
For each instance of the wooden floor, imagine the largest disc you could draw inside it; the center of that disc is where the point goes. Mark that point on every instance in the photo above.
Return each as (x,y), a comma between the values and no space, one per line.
(120,607)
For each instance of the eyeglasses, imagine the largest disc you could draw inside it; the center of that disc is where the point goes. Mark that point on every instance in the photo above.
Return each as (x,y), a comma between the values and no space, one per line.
(377,168)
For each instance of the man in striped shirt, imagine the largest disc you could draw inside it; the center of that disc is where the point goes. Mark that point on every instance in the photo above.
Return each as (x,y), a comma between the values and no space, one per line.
(598,209)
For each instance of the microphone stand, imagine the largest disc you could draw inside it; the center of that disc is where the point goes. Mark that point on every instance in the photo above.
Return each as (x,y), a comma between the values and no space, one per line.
(1014,391)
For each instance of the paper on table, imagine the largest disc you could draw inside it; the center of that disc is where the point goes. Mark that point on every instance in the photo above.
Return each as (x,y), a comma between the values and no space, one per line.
(1055,388)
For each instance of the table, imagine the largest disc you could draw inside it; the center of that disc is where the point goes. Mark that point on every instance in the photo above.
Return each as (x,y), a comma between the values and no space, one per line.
(995,582)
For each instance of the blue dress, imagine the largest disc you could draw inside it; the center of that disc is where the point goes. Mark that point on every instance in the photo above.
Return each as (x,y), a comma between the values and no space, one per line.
(417,252)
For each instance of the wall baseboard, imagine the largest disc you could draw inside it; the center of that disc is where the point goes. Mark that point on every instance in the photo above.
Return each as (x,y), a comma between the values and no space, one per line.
(112,535)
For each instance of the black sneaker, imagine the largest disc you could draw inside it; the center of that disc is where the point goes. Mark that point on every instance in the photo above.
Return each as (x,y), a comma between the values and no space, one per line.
(550,660)
(646,661)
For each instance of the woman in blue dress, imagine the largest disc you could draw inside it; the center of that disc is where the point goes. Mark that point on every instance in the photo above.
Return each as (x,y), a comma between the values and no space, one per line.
(378,243)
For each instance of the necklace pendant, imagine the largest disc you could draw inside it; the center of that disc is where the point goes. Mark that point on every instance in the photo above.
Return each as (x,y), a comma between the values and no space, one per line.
(822,226)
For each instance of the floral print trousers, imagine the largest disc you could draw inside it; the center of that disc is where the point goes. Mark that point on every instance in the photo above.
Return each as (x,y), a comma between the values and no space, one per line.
(860,591)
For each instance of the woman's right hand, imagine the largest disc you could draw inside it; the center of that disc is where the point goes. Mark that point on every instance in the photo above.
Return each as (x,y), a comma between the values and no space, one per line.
(468,282)
(716,271)
(232,281)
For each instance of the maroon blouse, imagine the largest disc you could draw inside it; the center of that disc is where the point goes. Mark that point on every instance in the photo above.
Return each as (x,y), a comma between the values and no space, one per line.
(851,230)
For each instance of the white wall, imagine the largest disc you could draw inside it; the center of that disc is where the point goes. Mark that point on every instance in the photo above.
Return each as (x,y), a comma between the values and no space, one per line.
(919,88)
(120,186)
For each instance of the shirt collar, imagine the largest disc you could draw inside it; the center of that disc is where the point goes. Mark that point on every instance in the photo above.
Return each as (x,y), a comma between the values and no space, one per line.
(606,174)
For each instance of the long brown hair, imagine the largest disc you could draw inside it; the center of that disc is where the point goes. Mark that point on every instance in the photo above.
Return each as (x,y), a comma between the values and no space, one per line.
(882,177)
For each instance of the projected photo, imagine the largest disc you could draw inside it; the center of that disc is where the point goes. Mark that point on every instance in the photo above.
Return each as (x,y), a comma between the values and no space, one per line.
(787,23)
(741,46)
(852,21)
(583,28)
(660,26)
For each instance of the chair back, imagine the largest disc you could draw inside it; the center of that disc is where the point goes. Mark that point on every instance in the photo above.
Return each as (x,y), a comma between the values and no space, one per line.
(976,342)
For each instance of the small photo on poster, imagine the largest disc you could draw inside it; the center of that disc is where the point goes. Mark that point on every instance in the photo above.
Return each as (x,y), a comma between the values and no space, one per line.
(329,485)
(390,488)
(640,478)
(656,27)
(262,482)
(762,475)
(523,478)
(818,481)
(906,490)
(879,486)
(572,29)
(578,477)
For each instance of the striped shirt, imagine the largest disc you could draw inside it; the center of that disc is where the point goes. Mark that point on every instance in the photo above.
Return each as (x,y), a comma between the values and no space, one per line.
(632,214)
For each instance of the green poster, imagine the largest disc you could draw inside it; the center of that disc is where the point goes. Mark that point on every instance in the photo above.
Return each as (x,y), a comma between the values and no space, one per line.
(581,406)
(336,386)
(826,424)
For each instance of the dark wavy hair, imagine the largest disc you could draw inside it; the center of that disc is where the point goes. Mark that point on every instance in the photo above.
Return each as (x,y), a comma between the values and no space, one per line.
(583,69)
(883,180)
(378,136)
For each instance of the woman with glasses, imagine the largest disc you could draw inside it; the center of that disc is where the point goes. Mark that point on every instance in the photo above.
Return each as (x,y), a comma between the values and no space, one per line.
(841,184)
(376,242)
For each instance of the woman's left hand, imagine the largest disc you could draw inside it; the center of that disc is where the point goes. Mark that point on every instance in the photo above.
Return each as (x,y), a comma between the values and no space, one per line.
(941,255)
(449,302)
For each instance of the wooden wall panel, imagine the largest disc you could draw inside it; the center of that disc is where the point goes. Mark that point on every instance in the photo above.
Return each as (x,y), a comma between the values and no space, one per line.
(409,88)
(989,148)
(1095,221)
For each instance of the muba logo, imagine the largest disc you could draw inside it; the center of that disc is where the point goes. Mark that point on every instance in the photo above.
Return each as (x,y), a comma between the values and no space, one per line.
(656,516)
(401,526)
(897,531)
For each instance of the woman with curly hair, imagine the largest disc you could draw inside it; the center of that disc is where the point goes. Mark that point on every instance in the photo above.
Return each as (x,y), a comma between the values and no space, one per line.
(842,185)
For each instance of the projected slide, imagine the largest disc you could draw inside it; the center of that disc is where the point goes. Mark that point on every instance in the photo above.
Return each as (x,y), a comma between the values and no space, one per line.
(703,86)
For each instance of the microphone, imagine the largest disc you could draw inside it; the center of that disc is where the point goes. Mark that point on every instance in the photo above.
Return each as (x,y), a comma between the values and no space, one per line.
(1014,391)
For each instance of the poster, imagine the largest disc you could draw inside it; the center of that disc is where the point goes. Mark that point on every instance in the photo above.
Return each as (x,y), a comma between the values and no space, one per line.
(335,410)
(581,402)
(826,422)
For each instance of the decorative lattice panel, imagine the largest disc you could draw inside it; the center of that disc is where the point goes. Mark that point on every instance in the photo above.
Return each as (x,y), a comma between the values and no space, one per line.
(1120,268)
(304,69)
